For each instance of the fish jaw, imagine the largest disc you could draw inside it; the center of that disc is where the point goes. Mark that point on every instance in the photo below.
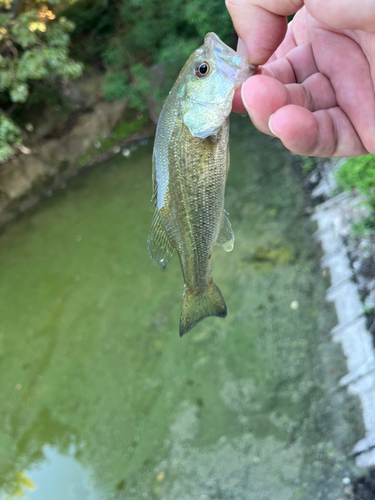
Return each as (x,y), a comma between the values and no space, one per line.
(232,64)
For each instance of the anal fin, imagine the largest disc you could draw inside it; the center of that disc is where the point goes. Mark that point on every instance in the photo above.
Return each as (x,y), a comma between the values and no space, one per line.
(225,238)
(160,247)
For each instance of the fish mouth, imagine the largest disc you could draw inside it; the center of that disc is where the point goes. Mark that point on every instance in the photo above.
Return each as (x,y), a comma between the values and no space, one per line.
(235,64)
(244,74)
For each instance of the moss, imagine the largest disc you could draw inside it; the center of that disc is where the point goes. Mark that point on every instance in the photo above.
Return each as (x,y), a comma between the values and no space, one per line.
(359,173)
(120,132)
(308,164)
(280,255)
(123,130)
(82,160)
(364,227)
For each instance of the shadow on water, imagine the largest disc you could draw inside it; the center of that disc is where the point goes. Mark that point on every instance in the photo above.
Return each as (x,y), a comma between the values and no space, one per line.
(99,392)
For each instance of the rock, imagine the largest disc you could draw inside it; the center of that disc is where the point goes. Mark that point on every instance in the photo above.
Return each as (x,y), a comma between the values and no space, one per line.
(83,136)
(83,95)
(366,266)
(61,146)
(91,88)
(19,175)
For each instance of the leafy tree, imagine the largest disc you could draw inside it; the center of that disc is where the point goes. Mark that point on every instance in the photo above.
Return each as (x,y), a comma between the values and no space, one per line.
(33,46)
(127,36)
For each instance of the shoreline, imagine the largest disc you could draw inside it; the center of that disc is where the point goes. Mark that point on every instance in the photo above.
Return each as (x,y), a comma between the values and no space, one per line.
(333,217)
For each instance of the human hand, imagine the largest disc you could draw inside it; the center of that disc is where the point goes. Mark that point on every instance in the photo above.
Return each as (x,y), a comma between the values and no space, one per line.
(316,88)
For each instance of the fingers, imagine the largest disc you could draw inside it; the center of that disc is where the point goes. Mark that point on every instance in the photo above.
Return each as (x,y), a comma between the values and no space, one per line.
(261,24)
(344,62)
(325,133)
(304,116)
(260,29)
(295,67)
(344,14)
(263,96)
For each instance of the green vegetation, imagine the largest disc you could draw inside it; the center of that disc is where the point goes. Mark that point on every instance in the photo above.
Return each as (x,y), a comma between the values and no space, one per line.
(121,39)
(359,173)
(308,163)
(122,130)
(368,310)
(364,227)
(126,37)
(33,47)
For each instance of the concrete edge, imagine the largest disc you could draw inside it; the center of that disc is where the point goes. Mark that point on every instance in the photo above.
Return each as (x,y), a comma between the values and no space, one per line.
(351,331)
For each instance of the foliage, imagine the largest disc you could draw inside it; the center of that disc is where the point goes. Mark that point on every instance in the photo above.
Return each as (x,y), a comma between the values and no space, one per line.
(131,35)
(122,130)
(115,84)
(364,227)
(5,4)
(308,164)
(10,135)
(33,46)
(359,173)
(368,310)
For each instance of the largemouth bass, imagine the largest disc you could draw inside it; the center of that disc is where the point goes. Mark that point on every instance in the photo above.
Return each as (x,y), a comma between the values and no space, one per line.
(190,167)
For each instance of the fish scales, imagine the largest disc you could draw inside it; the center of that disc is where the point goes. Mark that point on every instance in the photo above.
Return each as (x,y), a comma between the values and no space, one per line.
(190,166)
(197,195)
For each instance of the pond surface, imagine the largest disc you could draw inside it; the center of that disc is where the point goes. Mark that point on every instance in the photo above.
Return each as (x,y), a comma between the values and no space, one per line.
(101,399)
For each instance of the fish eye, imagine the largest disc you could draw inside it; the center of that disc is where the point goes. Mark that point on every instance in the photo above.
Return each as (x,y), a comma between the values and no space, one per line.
(202,69)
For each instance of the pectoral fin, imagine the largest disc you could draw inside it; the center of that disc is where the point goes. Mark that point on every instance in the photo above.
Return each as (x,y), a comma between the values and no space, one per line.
(160,247)
(226,236)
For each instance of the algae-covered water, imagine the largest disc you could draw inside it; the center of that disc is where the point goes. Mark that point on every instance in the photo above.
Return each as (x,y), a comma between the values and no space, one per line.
(101,399)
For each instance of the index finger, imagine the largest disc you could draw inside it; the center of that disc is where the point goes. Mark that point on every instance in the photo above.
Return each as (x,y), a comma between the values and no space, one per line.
(262,27)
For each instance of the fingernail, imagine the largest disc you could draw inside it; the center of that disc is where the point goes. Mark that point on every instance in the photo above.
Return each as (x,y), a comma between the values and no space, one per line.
(270,125)
(241,48)
(244,101)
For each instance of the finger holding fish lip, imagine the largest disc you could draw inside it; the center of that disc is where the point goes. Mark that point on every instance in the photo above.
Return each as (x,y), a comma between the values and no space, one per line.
(252,22)
(304,116)
(263,95)
(325,133)
(286,70)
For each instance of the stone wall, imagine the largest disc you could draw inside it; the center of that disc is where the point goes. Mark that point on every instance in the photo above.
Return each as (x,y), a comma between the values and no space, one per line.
(55,147)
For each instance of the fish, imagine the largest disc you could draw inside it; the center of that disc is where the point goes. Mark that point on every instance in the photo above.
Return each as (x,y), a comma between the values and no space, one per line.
(189,170)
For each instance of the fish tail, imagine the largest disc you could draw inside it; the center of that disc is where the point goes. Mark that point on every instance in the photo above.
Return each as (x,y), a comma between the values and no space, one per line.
(197,306)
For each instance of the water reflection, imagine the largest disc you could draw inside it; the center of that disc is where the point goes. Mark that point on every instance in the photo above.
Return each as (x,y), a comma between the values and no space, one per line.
(60,477)
(242,409)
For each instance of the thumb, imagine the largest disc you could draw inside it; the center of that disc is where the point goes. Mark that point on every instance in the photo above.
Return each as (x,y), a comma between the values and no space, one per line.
(261,29)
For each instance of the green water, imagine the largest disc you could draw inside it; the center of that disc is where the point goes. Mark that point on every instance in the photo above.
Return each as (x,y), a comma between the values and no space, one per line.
(101,399)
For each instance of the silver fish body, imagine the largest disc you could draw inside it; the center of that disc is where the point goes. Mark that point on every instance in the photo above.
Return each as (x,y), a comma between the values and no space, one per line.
(190,167)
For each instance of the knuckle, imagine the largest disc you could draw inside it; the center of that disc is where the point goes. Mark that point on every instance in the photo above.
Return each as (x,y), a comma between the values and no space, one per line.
(309,100)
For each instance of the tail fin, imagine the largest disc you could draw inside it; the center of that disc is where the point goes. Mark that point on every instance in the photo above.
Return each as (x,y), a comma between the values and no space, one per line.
(197,306)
